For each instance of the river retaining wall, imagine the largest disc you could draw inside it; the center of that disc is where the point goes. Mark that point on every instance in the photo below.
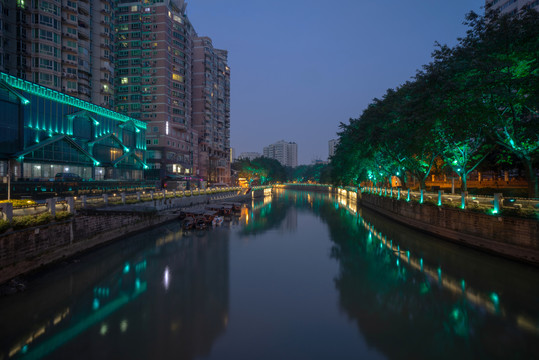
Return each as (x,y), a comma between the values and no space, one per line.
(26,250)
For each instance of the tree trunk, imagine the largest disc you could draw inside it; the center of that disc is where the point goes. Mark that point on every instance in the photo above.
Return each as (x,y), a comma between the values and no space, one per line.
(464,184)
(533,186)
(422,180)
(403,181)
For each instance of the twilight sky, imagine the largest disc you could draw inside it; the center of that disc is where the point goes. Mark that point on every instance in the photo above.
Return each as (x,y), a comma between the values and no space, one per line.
(300,67)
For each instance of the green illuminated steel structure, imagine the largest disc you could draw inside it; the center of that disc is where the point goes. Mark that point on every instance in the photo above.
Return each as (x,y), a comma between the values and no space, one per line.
(44,132)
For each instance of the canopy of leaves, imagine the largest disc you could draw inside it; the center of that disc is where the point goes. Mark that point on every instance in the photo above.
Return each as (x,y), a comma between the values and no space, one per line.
(476,100)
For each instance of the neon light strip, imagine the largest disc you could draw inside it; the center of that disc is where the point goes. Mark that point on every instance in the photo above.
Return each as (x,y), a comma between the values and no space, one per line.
(47,93)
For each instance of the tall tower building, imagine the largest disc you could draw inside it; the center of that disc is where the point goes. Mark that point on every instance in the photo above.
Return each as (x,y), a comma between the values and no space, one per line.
(512,6)
(284,152)
(55,43)
(211,109)
(153,81)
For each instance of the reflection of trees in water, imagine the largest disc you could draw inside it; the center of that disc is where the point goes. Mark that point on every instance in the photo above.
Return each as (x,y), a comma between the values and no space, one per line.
(161,294)
(267,215)
(406,313)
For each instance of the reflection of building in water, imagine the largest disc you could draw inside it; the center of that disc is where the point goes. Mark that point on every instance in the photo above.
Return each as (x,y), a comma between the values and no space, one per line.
(150,299)
(194,311)
(290,223)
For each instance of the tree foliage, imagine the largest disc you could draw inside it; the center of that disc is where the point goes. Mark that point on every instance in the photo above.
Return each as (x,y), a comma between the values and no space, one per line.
(476,100)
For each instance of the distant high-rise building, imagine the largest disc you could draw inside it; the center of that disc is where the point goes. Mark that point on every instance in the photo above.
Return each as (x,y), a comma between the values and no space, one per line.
(249,155)
(512,6)
(332,145)
(284,152)
(62,45)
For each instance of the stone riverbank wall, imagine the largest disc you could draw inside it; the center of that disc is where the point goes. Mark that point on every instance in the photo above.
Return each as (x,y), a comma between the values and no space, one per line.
(512,237)
(22,251)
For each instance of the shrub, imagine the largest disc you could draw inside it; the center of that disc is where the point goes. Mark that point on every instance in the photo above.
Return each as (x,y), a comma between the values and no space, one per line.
(19,203)
(62,215)
(4,225)
(42,219)
(21,222)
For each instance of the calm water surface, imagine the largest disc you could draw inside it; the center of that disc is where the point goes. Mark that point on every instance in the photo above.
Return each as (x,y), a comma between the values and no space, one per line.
(297,276)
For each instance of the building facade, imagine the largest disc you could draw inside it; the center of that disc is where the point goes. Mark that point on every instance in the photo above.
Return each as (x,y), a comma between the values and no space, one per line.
(44,132)
(211,109)
(512,6)
(249,155)
(64,45)
(284,152)
(134,57)
(153,77)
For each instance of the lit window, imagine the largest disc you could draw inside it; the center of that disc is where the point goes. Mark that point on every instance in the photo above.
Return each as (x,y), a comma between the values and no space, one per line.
(124,80)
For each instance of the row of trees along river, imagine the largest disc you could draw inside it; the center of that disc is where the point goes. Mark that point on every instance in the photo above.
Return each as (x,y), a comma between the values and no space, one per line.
(475,104)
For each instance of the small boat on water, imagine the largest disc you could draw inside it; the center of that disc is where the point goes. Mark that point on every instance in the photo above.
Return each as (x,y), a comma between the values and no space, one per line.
(200,223)
(188,223)
(217,221)
(235,206)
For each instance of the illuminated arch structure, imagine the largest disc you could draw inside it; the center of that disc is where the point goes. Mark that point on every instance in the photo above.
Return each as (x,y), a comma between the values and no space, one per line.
(44,132)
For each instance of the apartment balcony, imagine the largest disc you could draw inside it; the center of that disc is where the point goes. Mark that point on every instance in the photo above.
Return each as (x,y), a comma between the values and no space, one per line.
(70,49)
(69,35)
(73,7)
(84,7)
(73,92)
(84,31)
(66,20)
(84,76)
(69,75)
(69,62)
(178,125)
(85,44)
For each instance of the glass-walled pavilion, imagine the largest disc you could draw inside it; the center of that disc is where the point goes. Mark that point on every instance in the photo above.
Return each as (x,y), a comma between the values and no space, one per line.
(44,132)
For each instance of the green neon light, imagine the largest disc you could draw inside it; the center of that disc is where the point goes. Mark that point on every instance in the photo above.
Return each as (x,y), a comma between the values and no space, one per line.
(495,299)
(50,94)
(70,333)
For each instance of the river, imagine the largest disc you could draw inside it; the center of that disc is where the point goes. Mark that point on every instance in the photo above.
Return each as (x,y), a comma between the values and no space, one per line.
(298,276)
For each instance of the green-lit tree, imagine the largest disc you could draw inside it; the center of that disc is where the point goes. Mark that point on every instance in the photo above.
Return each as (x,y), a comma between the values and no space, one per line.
(506,74)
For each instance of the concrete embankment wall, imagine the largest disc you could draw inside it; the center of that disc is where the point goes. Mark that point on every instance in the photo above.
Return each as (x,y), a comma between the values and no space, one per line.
(22,251)
(517,238)
(28,249)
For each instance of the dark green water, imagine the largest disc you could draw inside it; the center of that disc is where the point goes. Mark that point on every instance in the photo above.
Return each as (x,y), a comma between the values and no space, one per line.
(298,276)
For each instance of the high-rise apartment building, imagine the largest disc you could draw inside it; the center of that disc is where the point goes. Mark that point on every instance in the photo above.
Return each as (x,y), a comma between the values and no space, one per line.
(63,45)
(284,152)
(136,57)
(211,109)
(153,81)
(179,84)
(512,6)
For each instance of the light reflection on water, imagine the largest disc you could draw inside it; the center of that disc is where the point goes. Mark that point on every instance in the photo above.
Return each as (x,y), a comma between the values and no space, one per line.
(296,275)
